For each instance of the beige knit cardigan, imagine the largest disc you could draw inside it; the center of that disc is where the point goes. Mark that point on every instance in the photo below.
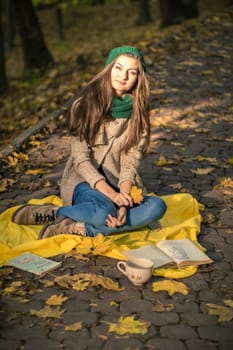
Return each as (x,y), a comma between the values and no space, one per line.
(84,161)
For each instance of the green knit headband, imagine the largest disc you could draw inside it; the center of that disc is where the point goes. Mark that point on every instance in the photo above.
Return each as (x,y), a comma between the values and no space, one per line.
(117,51)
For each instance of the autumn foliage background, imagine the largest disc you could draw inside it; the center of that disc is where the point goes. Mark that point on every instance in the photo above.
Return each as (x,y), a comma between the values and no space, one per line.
(90,31)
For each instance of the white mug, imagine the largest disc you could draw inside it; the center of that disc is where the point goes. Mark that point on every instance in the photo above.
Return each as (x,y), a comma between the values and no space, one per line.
(138,270)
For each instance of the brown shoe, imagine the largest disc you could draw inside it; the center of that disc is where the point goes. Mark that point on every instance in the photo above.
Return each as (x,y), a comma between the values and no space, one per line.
(33,214)
(63,225)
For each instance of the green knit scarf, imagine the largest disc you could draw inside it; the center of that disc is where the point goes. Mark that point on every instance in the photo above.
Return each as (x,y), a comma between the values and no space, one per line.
(122,108)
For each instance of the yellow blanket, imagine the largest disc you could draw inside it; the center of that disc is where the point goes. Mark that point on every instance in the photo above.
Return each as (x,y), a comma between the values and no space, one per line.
(182,220)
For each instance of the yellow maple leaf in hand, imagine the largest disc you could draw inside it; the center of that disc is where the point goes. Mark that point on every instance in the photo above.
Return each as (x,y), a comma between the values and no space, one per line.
(136,194)
(171,287)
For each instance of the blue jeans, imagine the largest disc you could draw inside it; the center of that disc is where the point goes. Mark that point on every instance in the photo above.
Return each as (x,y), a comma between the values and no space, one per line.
(92,208)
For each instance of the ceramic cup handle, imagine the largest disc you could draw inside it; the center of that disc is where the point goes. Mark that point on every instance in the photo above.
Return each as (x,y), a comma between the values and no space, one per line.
(121,265)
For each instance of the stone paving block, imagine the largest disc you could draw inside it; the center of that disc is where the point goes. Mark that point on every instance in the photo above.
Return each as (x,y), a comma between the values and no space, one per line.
(160,318)
(136,306)
(58,333)
(9,344)
(82,343)
(195,319)
(178,331)
(196,282)
(116,344)
(104,306)
(199,344)
(76,305)
(209,296)
(189,306)
(88,318)
(130,292)
(226,218)
(42,343)
(18,332)
(214,333)
(165,344)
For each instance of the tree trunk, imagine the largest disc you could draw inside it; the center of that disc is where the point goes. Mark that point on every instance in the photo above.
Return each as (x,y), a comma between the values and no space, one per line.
(10,33)
(3,80)
(60,25)
(175,11)
(36,53)
(144,15)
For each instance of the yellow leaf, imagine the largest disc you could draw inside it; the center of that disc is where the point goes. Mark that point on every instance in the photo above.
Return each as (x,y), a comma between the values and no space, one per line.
(163,161)
(15,286)
(136,194)
(35,143)
(56,299)
(224,313)
(128,325)
(228,302)
(230,161)
(105,282)
(176,186)
(81,285)
(203,171)
(101,244)
(34,171)
(160,307)
(171,287)
(47,312)
(20,155)
(82,280)
(73,327)
(85,247)
(226,182)
(5,183)
(97,245)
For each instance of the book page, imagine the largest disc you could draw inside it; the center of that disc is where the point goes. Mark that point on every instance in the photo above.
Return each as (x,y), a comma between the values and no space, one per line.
(184,252)
(150,252)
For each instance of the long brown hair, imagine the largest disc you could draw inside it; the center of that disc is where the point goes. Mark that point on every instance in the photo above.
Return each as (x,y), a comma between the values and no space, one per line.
(91,108)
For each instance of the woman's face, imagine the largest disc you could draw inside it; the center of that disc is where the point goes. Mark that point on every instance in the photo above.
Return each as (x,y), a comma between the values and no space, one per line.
(124,74)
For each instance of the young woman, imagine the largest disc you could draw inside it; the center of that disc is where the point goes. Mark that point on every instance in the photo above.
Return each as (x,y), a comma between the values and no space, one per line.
(109,128)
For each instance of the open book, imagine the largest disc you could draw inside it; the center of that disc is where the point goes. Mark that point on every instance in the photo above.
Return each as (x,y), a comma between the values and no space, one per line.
(33,263)
(180,253)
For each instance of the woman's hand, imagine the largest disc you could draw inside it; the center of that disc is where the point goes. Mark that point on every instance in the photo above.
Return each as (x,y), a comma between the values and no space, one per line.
(123,199)
(120,220)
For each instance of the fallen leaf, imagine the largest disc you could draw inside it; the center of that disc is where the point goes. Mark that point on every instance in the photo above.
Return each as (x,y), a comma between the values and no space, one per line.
(96,246)
(228,302)
(14,287)
(5,183)
(203,171)
(170,286)
(224,313)
(34,171)
(136,194)
(163,161)
(101,244)
(160,307)
(229,161)
(83,280)
(47,312)
(73,327)
(56,299)
(128,325)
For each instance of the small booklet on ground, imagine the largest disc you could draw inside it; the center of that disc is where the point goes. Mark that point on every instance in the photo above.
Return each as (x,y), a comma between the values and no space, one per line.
(180,253)
(33,263)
